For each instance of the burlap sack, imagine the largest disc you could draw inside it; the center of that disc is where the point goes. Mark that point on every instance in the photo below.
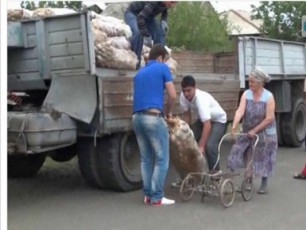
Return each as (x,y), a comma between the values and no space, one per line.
(120,43)
(110,57)
(42,12)
(111,26)
(18,14)
(172,65)
(184,152)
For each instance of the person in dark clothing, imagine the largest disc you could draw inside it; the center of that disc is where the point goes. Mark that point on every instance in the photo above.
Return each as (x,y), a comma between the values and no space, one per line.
(140,16)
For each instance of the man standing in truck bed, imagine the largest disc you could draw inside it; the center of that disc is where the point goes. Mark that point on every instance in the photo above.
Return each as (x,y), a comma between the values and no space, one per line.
(140,16)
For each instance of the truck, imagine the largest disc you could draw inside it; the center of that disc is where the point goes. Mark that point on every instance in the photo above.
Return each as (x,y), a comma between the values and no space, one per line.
(74,108)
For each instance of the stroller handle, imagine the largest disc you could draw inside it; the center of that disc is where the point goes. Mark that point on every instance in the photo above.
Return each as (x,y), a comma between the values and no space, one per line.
(234,134)
(237,134)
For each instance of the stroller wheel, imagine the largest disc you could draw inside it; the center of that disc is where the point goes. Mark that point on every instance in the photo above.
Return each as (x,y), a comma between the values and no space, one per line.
(188,187)
(227,193)
(247,189)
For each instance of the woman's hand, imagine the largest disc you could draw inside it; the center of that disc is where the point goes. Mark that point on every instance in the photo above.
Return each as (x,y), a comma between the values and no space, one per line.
(251,133)
(233,130)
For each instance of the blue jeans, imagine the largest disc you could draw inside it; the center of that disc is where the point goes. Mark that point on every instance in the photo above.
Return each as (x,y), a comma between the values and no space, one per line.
(153,141)
(211,149)
(153,27)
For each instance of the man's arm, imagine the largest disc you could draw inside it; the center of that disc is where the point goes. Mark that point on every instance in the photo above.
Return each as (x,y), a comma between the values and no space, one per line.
(147,12)
(171,98)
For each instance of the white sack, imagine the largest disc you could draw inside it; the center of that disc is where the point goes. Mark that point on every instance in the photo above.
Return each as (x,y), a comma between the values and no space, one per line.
(120,42)
(111,57)
(184,152)
(18,14)
(111,26)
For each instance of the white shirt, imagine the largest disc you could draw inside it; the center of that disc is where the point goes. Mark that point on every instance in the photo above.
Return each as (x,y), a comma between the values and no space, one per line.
(205,106)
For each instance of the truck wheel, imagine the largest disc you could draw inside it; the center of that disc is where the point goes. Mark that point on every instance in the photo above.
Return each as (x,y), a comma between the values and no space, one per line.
(120,162)
(294,124)
(89,162)
(279,130)
(24,165)
(64,154)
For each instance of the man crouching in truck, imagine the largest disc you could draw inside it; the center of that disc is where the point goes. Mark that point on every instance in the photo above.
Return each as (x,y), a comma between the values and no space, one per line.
(141,17)
(149,124)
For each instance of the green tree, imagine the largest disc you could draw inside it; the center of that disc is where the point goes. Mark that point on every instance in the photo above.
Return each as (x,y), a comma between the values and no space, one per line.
(30,5)
(281,19)
(196,26)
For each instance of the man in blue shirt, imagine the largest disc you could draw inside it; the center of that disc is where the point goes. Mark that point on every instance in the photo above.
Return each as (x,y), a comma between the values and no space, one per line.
(149,124)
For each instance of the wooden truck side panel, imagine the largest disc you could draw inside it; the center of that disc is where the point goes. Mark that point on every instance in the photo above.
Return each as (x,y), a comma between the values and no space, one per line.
(116,93)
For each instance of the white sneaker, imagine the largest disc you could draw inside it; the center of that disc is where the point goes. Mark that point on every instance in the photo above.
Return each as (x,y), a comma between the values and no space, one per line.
(176,184)
(163,201)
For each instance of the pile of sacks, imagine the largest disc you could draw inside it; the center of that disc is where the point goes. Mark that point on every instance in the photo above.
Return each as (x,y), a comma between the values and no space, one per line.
(111,38)
(19,14)
(24,14)
(112,46)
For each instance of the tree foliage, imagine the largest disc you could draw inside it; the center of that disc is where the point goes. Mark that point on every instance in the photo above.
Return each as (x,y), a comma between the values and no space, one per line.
(30,5)
(281,19)
(196,26)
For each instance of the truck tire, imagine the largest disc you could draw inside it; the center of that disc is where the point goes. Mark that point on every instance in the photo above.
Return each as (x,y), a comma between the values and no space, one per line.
(64,154)
(20,165)
(89,163)
(120,162)
(294,124)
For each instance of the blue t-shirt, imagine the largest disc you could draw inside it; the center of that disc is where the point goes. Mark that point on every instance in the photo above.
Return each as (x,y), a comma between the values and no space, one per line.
(149,86)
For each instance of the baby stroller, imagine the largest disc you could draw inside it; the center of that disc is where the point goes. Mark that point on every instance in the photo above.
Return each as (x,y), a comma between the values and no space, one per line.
(219,183)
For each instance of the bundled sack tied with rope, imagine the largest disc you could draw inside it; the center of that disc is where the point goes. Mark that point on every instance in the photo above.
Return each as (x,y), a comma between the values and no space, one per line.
(184,152)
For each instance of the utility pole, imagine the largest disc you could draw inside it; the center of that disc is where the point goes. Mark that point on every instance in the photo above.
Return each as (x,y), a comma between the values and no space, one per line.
(304,26)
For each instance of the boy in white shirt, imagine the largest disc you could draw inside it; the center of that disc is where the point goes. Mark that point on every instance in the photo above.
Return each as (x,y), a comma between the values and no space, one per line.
(211,124)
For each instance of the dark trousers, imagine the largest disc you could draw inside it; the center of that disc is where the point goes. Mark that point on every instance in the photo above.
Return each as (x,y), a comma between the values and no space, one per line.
(153,26)
(211,148)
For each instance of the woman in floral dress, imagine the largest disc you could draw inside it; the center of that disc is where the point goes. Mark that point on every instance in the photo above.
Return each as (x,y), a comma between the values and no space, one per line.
(257,107)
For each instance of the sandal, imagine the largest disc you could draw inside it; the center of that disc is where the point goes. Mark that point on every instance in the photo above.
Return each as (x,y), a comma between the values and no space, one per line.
(299,176)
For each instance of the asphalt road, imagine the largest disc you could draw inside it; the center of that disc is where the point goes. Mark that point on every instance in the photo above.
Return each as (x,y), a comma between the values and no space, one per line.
(58,198)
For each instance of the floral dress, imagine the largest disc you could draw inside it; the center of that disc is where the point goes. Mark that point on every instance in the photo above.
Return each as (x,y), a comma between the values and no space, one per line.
(264,154)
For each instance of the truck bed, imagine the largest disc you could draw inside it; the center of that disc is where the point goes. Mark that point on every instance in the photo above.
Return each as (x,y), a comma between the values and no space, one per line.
(116,94)
(56,54)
